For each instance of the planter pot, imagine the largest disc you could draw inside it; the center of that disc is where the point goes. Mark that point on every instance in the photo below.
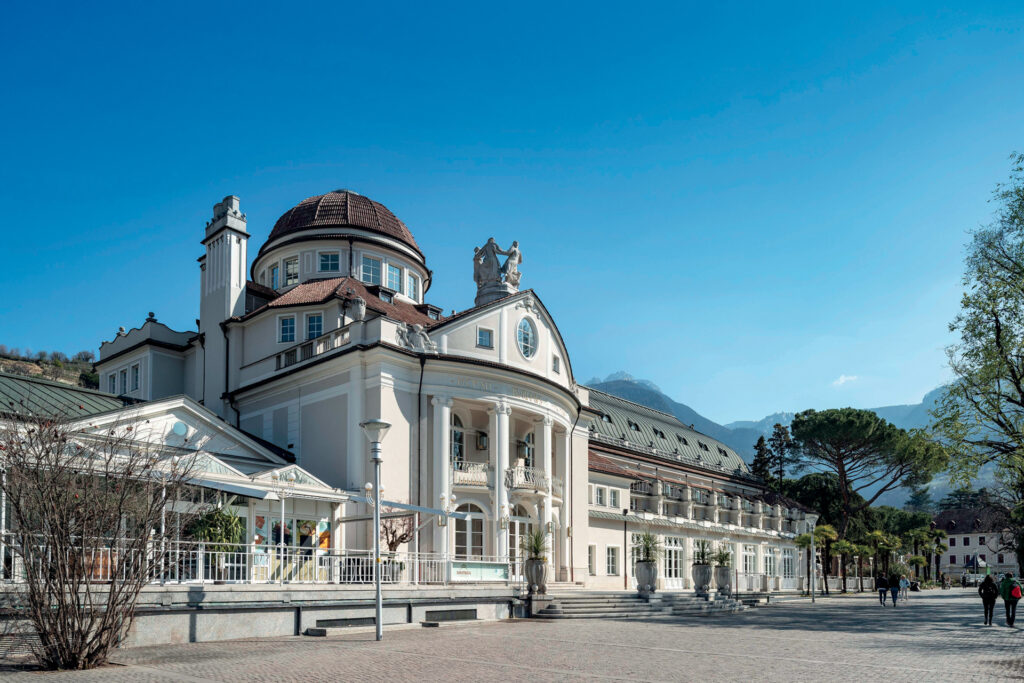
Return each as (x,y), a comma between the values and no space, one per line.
(701,574)
(646,577)
(723,579)
(358,308)
(536,576)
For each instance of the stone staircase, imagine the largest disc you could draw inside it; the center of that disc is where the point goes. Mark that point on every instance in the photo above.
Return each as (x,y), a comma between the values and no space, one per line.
(612,605)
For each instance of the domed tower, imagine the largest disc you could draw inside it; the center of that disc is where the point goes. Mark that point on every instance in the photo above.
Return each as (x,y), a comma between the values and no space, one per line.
(342,233)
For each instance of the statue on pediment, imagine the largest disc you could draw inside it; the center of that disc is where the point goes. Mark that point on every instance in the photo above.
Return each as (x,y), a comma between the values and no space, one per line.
(494,279)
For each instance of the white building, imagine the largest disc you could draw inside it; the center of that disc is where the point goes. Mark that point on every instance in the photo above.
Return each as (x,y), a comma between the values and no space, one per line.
(329,326)
(978,542)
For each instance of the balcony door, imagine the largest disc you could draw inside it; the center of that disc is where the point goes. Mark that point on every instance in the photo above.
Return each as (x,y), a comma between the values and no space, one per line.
(519,526)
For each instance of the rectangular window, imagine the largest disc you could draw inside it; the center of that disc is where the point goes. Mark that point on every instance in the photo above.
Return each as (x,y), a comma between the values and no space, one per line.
(675,558)
(788,563)
(749,560)
(330,262)
(275,277)
(112,384)
(287,330)
(124,381)
(613,498)
(555,364)
(999,558)
(967,541)
(314,326)
(291,271)
(592,560)
(952,542)
(612,561)
(981,540)
(769,563)
(952,559)
(395,278)
(484,338)
(414,288)
(135,377)
(599,493)
(371,271)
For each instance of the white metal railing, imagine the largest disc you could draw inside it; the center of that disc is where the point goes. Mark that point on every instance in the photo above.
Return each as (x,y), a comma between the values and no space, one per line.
(644,488)
(471,473)
(527,478)
(311,348)
(189,562)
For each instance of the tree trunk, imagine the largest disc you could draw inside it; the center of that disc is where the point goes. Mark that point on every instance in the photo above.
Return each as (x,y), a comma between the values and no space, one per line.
(860,571)
(810,585)
(842,569)
(826,565)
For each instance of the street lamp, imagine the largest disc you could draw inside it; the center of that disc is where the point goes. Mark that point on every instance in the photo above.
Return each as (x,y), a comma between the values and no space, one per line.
(375,430)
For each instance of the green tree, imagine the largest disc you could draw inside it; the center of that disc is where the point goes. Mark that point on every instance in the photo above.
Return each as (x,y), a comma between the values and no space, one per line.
(937,537)
(824,536)
(780,445)
(917,562)
(762,464)
(920,500)
(803,541)
(846,549)
(981,416)
(867,454)
(820,491)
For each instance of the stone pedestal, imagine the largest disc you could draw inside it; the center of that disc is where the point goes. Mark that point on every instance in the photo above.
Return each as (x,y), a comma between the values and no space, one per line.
(492,291)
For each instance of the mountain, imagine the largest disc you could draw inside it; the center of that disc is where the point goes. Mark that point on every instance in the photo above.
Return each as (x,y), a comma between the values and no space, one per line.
(743,434)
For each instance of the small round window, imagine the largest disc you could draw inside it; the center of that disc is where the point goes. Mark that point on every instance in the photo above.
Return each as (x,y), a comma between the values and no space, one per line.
(526,335)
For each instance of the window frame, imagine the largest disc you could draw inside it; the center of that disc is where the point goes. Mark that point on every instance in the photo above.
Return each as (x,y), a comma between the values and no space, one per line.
(613,497)
(307,317)
(288,281)
(363,258)
(613,560)
(592,560)
(388,270)
(412,285)
(280,329)
(123,377)
(534,338)
(556,364)
(275,277)
(112,383)
(320,263)
(600,495)
(136,376)
(490,334)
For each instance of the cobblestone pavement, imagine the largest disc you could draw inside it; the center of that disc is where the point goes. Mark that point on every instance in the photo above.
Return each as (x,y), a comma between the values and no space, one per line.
(936,636)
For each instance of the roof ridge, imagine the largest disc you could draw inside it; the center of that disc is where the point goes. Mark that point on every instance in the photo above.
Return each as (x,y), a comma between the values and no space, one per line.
(641,405)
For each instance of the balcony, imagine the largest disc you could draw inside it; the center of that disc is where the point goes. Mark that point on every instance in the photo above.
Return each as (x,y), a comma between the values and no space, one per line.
(642,505)
(312,348)
(533,480)
(643,488)
(471,474)
(675,492)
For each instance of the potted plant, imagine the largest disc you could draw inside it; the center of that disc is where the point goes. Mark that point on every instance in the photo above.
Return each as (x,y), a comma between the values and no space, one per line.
(649,549)
(723,573)
(701,570)
(534,546)
(221,531)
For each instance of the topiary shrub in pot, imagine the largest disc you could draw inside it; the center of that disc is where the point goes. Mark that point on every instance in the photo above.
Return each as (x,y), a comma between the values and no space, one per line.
(534,546)
(701,570)
(723,573)
(649,550)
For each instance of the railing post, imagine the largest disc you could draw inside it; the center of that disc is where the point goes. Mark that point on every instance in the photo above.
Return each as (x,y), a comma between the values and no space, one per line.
(202,563)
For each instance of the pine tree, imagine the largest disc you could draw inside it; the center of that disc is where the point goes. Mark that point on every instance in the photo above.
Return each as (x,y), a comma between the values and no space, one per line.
(780,445)
(762,464)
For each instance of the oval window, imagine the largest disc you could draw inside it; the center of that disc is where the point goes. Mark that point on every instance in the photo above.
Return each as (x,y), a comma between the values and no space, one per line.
(526,335)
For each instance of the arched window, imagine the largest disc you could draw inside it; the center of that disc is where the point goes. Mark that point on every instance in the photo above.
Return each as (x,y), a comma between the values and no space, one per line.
(526,335)
(458,440)
(469,533)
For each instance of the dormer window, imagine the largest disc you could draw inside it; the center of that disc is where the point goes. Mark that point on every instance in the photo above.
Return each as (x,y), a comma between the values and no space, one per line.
(704,446)
(605,417)
(386,297)
(434,315)
(634,426)
(291,271)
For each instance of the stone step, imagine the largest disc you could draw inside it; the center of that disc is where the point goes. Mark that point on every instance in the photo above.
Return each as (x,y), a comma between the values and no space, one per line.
(592,610)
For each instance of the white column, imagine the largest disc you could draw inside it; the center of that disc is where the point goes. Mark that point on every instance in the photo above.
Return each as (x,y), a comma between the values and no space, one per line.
(499,439)
(442,464)
(542,435)
(563,531)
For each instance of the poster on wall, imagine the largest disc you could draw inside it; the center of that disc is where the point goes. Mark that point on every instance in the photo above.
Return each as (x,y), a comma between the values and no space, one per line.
(307,534)
(276,536)
(323,529)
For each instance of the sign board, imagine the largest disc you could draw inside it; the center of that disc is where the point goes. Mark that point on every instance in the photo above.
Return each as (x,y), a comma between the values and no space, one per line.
(469,570)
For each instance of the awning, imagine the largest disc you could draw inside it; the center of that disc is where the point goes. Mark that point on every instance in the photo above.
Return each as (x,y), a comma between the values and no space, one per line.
(230,488)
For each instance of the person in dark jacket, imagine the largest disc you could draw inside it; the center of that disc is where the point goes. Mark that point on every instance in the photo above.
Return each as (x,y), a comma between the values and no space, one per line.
(1006,590)
(989,591)
(882,586)
(894,588)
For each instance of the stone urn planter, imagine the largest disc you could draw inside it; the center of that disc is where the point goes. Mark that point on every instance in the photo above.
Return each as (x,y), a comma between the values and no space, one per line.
(358,309)
(646,577)
(723,579)
(701,574)
(536,572)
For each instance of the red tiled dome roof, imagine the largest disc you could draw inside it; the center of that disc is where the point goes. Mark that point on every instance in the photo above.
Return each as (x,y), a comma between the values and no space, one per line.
(342,208)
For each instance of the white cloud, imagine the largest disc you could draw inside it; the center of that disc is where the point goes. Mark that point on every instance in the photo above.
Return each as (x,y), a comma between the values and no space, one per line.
(843,379)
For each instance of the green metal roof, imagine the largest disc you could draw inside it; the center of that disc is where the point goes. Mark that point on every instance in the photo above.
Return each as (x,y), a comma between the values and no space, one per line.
(23,395)
(627,424)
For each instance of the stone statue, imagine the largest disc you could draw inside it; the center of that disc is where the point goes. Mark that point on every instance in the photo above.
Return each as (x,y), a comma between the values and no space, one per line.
(415,338)
(495,280)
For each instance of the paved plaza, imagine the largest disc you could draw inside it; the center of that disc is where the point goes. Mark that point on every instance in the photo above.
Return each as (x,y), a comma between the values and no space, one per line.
(937,636)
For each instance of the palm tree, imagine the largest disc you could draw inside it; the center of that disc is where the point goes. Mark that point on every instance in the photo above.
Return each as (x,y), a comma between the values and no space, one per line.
(824,535)
(862,552)
(844,548)
(888,546)
(937,537)
(803,541)
(875,539)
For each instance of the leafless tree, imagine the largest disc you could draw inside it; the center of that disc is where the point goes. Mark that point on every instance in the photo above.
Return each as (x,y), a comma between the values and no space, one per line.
(395,531)
(85,511)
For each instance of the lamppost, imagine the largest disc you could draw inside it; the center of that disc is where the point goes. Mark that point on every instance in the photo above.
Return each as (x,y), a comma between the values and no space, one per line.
(375,430)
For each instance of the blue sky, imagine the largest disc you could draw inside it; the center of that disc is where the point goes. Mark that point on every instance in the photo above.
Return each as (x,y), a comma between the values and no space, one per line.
(744,204)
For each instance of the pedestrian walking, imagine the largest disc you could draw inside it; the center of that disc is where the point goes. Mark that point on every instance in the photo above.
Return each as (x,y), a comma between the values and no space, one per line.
(989,591)
(1009,589)
(894,588)
(904,587)
(963,580)
(882,586)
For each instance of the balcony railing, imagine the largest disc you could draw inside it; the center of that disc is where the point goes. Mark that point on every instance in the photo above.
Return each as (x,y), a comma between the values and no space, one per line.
(644,488)
(527,478)
(471,473)
(312,348)
(674,491)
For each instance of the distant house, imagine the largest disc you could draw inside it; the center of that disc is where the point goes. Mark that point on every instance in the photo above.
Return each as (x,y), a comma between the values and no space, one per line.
(978,541)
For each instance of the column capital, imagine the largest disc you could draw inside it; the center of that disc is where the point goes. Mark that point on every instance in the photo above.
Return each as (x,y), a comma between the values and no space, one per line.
(545,420)
(442,401)
(500,408)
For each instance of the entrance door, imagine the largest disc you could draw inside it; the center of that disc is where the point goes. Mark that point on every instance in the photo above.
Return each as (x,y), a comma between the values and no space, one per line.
(519,525)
